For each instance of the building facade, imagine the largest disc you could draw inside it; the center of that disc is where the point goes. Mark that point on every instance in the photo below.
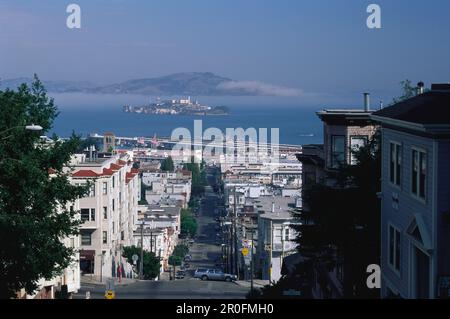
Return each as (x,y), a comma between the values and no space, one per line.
(415,258)
(108,213)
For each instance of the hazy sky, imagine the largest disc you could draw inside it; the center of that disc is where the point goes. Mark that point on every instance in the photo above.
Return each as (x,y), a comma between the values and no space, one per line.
(321,47)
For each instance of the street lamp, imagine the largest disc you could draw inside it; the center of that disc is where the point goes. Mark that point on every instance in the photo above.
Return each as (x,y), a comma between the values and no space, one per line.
(31,127)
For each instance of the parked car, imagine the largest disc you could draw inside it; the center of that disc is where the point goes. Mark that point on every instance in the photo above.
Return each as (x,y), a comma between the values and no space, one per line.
(188,258)
(187,265)
(213,274)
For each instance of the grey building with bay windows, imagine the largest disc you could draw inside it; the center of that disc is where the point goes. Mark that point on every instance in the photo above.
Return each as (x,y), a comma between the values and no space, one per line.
(415,217)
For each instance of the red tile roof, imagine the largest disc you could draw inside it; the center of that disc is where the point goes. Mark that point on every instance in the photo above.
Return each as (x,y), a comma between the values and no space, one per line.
(51,171)
(129,176)
(115,167)
(107,172)
(120,162)
(85,174)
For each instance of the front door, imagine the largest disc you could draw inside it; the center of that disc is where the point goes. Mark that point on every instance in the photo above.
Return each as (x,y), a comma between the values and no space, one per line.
(422,274)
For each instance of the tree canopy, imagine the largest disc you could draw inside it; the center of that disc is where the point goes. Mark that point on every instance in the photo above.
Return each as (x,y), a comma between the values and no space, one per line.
(188,223)
(167,165)
(151,261)
(35,208)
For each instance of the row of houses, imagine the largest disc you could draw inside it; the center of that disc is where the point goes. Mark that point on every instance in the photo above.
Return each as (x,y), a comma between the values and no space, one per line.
(260,198)
(415,175)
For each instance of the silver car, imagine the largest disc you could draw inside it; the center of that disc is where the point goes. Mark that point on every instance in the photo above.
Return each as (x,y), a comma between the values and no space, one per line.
(213,274)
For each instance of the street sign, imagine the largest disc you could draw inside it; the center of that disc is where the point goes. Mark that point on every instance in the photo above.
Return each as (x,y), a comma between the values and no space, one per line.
(245,251)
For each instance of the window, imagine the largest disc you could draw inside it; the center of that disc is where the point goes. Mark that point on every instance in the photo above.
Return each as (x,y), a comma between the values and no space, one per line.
(113,204)
(395,160)
(113,182)
(92,190)
(105,212)
(122,235)
(113,228)
(286,234)
(356,142)
(105,188)
(86,239)
(105,237)
(87,214)
(337,151)
(394,248)
(419,173)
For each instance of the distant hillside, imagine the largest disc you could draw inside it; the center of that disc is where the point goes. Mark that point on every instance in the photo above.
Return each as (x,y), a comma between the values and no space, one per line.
(175,84)
(182,84)
(51,86)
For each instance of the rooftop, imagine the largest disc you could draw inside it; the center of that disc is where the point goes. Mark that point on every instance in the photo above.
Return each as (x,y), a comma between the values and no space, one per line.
(283,207)
(430,108)
(345,116)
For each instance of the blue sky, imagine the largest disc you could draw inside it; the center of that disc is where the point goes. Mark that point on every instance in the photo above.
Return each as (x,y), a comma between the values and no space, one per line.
(321,47)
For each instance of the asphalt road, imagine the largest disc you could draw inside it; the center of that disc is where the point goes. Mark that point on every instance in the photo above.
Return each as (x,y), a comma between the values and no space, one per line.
(204,253)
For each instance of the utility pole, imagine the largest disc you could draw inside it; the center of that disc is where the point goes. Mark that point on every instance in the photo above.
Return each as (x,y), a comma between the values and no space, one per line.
(151,240)
(251,265)
(236,265)
(141,268)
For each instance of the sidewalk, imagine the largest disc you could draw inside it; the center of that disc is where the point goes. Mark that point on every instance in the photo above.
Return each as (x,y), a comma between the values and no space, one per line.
(257,283)
(91,280)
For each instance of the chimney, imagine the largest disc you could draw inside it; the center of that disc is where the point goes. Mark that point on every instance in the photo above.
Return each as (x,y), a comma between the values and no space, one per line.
(366,102)
(273,207)
(420,87)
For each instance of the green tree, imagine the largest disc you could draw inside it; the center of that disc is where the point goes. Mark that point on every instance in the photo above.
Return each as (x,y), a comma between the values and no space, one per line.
(35,213)
(198,177)
(151,261)
(175,261)
(188,223)
(408,91)
(144,188)
(167,165)
(180,250)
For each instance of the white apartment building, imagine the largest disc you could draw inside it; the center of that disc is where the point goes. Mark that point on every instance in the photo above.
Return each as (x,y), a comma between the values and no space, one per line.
(276,238)
(161,230)
(109,213)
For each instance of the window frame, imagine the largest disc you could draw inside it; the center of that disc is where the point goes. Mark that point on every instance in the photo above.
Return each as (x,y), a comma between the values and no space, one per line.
(396,244)
(92,190)
(417,195)
(86,234)
(332,152)
(398,164)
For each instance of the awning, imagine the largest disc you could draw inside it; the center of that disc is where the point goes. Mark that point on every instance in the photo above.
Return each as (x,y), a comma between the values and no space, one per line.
(87,254)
